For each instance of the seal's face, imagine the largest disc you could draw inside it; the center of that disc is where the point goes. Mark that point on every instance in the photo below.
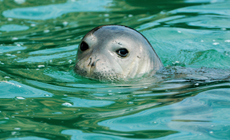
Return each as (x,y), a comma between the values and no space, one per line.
(115,53)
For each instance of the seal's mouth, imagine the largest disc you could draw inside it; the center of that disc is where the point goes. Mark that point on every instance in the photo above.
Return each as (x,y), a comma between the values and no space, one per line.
(99,75)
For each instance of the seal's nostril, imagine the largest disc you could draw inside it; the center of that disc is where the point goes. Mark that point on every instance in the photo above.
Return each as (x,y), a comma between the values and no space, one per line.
(90,60)
(93,64)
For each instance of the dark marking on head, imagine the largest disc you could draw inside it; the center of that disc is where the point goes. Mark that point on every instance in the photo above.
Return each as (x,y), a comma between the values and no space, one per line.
(95,29)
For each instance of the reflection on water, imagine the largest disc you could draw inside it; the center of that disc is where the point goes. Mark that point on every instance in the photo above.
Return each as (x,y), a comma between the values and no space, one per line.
(42,98)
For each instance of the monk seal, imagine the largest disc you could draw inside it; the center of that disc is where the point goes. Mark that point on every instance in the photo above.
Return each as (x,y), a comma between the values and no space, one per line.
(115,52)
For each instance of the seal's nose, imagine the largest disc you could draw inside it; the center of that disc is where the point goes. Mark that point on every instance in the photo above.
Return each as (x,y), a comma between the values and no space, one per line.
(92,63)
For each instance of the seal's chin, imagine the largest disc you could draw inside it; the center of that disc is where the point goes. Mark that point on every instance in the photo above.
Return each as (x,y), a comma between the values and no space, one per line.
(104,76)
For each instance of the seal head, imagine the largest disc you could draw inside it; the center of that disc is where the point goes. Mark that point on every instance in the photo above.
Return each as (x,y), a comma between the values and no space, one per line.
(114,52)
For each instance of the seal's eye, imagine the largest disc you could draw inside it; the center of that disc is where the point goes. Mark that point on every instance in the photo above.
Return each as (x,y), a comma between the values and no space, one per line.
(122,52)
(84,46)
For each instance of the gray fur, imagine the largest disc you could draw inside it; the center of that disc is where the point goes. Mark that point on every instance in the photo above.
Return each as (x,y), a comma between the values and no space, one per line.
(101,61)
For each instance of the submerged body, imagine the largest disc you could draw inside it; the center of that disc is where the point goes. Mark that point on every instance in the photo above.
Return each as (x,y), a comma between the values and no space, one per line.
(113,52)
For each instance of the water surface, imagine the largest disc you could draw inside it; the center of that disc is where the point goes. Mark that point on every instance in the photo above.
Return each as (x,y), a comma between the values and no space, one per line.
(42,98)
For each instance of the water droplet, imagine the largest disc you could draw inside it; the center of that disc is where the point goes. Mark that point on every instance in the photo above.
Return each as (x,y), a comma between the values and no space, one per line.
(197,84)
(130,102)
(20,98)
(227,41)
(13,133)
(106,15)
(46,31)
(67,104)
(14,38)
(10,19)
(130,15)
(18,44)
(8,54)
(211,132)
(179,31)
(17,128)
(41,66)
(19,1)
(215,43)
(65,23)
(32,25)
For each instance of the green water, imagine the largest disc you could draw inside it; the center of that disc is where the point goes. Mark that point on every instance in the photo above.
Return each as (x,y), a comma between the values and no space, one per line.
(41,98)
